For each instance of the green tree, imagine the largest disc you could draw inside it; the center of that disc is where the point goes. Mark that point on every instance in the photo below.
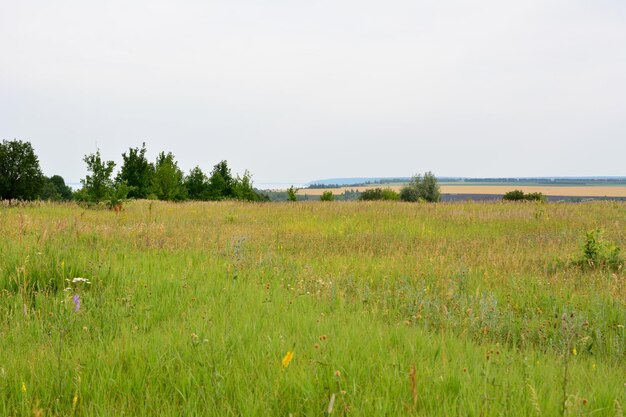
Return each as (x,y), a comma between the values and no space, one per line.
(327,196)
(98,185)
(422,188)
(243,189)
(221,182)
(291,194)
(167,183)
(430,190)
(20,175)
(55,189)
(197,184)
(136,172)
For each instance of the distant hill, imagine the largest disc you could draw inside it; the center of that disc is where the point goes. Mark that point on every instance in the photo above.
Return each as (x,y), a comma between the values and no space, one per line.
(343,182)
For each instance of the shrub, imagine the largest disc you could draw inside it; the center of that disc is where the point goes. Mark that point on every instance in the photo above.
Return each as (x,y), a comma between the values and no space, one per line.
(327,196)
(379,194)
(518,195)
(515,195)
(598,253)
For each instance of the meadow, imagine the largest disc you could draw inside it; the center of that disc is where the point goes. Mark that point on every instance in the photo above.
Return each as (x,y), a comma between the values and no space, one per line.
(310,309)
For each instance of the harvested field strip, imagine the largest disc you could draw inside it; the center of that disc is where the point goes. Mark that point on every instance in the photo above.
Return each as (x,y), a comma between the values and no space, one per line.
(565,191)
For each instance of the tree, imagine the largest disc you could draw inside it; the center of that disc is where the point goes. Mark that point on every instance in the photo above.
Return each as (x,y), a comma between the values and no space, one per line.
(20,175)
(243,189)
(327,196)
(291,194)
(430,188)
(167,183)
(55,189)
(137,172)
(197,184)
(98,185)
(221,182)
(423,188)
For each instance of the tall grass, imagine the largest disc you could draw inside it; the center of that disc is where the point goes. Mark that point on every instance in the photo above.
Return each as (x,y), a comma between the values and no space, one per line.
(389,309)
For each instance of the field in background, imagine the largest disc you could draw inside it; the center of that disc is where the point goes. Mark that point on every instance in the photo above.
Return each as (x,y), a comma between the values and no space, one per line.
(562,191)
(387,308)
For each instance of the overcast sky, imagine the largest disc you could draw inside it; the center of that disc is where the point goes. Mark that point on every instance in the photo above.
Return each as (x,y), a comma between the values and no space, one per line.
(301,90)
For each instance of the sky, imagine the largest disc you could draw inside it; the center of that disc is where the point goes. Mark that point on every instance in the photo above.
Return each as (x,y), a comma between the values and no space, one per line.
(298,90)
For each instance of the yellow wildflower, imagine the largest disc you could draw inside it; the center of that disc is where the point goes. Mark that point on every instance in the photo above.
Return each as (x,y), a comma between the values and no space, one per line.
(288,357)
(24,388)
(574,351)
(74,400)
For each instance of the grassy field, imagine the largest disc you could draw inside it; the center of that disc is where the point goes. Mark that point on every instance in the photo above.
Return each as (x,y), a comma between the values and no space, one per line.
(294,309)
(560,191)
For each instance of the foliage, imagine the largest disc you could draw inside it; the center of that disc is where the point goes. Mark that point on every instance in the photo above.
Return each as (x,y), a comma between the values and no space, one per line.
(55,189)
(136,172)
(242,189)
(197,185)
(420,188)
(410,194)
(291,194)
(167,183)
(519,195)
(221,182)
(599,253)
(379,194)
(98,185)
(20,175)
(327,196)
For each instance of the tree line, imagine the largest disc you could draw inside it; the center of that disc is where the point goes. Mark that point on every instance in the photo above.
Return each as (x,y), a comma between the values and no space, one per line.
(21,178)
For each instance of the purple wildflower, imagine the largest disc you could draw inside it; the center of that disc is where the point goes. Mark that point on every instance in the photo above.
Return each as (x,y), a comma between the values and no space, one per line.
(76,300)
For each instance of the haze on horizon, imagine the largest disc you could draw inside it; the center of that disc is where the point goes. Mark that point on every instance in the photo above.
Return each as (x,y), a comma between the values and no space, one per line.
(295,91)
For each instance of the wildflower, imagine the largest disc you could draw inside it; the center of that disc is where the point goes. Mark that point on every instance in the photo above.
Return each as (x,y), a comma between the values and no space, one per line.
(593,366)
(23,387)
(574,351)
(76,300)
(287,359)
(79,279)
(74,400)
(338,374)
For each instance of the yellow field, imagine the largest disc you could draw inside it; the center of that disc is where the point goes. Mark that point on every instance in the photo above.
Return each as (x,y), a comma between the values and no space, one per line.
(563,191)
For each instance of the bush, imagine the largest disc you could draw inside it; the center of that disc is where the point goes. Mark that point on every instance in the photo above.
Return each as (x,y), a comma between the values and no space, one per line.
(327,196)
(379,194)
(518,195)
(598,253)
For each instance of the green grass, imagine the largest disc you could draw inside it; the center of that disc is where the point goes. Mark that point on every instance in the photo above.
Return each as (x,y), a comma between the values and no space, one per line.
(192,307)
